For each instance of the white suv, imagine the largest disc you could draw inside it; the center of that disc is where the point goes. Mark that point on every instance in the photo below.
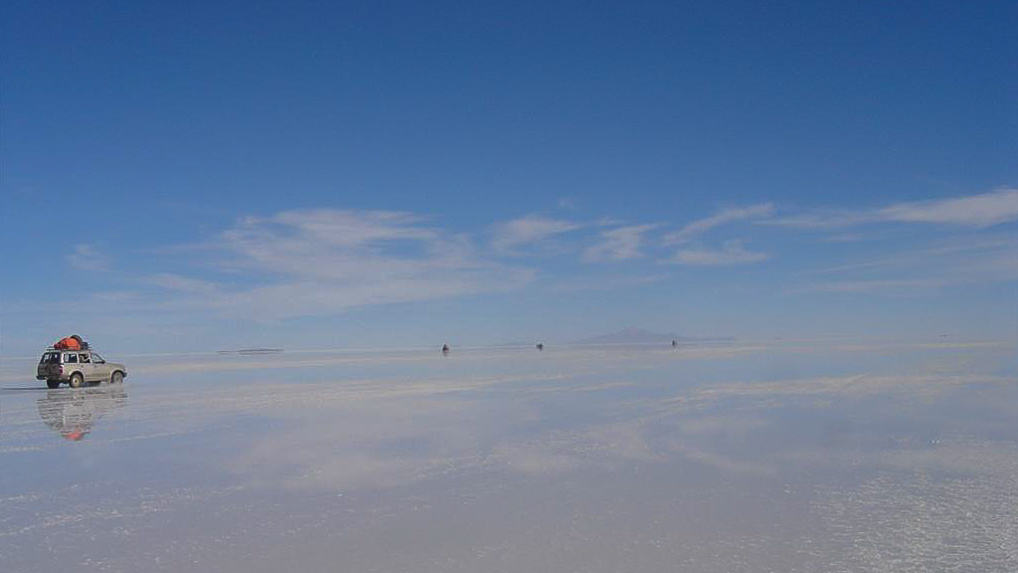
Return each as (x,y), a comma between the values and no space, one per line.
(77,367)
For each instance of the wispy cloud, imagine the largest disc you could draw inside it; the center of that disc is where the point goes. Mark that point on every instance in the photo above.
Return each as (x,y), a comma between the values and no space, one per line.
(179,283)
(731,253)
(875,285)
(978,211)
(85,257)
(528,230)
(606,283)
(619,244)
(941,254)
(988,209)
(323,261)
(698,227)
(983,260)
(822,219)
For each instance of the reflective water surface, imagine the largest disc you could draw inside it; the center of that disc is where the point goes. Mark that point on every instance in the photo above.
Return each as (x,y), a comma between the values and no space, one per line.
(779,456)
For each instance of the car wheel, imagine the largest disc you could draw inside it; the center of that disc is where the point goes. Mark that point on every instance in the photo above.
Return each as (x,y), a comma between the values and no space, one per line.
(53,384)
(117,377)
(77,380)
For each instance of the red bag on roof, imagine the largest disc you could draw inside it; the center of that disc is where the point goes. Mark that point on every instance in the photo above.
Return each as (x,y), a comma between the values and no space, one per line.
(72,342)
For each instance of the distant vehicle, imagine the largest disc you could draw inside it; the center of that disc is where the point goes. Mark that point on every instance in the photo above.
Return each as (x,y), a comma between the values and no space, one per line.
(76,367)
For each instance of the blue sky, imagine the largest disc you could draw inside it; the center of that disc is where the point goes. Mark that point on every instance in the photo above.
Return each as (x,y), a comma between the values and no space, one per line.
(207,175)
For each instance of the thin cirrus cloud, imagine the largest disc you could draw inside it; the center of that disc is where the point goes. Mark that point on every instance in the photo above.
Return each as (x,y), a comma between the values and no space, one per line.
(952,263)
(730,215)
(985,210)
(731,253)
(619,244)
(528,230)
(85,257)
(325,261)
(873,285)
(974,211)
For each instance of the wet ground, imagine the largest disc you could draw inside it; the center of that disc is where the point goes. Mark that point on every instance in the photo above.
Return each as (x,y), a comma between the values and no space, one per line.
(777,456)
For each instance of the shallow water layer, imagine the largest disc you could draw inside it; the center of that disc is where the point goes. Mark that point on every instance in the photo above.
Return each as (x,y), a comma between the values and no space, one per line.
(791,456)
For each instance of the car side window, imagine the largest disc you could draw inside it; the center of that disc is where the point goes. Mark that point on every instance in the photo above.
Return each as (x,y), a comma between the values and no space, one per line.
(96,359)
(70,358)
(84,358)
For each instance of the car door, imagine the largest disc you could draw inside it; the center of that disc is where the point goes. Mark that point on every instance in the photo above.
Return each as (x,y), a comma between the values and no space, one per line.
(70,365)
(87,368)
(101,369)
(49,365)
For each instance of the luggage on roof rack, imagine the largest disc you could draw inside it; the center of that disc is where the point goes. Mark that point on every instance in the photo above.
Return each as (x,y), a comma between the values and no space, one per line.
(72,342)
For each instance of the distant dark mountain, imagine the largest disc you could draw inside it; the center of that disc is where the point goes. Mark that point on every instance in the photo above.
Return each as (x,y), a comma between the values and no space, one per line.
(632,335)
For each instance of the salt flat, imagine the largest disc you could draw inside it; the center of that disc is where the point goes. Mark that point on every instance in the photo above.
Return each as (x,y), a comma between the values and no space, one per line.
(775,455)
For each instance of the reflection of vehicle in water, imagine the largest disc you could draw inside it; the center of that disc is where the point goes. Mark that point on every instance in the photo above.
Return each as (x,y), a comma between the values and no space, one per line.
(72,413)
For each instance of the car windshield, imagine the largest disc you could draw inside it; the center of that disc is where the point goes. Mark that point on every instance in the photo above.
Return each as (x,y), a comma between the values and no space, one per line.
(50,358)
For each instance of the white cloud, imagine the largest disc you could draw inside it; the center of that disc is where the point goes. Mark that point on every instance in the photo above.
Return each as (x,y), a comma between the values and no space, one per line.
(321,262)
(701,226)
(620,244)
(875,285)
(979,211)
(821,220)
(983,260)
(346,228)
(731,253)
(985,210)
(330,244)
(528,230)
(87,258)
(605,283)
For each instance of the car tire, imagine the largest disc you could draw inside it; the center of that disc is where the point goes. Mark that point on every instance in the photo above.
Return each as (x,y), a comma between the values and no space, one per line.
(52,384)
(77,380)
(117,377)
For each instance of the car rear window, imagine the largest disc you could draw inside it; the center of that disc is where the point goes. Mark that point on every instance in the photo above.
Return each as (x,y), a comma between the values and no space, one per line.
(50,358)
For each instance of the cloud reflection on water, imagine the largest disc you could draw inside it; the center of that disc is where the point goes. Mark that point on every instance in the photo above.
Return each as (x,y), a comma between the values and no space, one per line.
(720,459)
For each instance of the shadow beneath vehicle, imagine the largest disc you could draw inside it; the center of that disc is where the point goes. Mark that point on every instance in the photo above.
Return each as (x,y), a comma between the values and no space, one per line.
(72,413)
